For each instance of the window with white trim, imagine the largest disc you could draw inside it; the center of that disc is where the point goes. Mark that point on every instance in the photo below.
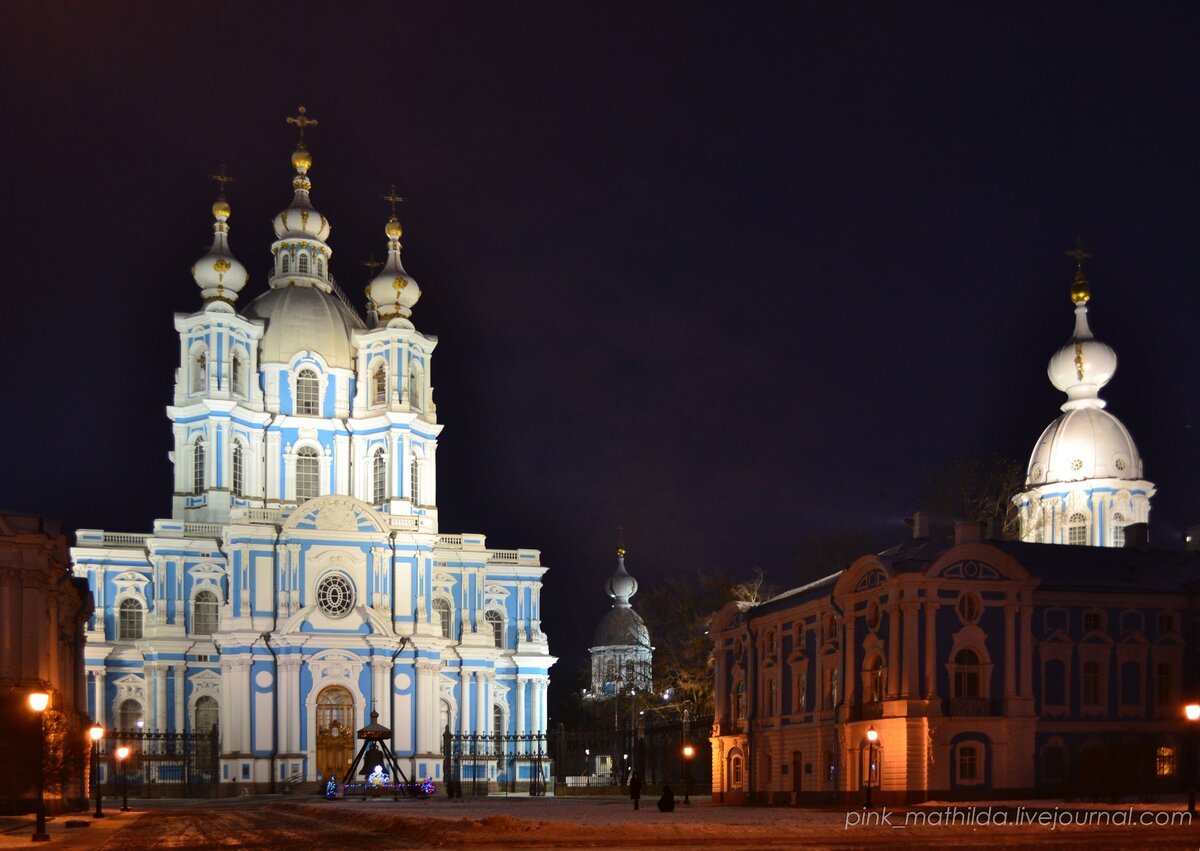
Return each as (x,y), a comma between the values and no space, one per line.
(497,721)
(379,386)
(378,476)
(308,474)
(205,610)
(968,764)
(968,674)
(496,621)
(308,393)
(236,380)
(208,715)
(1118,529)
(129,620)
(200,372)
(414,480)
(129,713)
(414,391)
(302,264)
(1077,529)
(441,613)
(284,264)
(239,470)
(198,466)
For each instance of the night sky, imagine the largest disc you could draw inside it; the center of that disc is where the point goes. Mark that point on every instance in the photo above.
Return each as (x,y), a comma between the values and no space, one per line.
(725,277)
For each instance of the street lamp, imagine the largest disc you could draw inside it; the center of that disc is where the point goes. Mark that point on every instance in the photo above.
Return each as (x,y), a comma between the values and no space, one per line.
(872,738)
(1192,711)
(38,701)
(122,754)
(97,733)
(688,753)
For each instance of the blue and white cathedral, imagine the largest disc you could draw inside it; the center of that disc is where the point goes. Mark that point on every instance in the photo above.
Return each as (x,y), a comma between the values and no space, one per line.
(302,580)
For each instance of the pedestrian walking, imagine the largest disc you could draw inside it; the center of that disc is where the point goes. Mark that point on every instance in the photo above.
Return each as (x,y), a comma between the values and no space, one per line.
(635,788)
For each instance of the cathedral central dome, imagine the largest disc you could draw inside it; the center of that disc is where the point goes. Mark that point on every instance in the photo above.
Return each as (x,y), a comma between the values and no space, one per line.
(305,319)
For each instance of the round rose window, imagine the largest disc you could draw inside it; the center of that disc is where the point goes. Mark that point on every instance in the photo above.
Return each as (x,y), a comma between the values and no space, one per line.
(335,595)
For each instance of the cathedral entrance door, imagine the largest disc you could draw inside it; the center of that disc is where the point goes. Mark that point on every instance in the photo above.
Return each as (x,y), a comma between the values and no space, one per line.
(335,732)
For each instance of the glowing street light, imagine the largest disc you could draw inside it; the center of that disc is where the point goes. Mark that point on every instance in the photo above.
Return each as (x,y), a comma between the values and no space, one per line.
(872,738)
(688,753)
(38,701)
(122,754)
(96,733)
(1192,713)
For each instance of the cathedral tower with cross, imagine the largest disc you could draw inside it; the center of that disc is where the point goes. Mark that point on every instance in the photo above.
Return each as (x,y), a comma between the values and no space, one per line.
(302,578)
(1084,484)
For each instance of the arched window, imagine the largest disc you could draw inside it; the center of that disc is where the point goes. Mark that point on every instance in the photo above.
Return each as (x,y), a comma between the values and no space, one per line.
(379,386)
(968,764)
(735,772)
(441,612)
(496,621)
(236,380)
(302,264)
(1164,685)
(129,713)
(414,480)
(1118,529)
(204,613)
(308,474)
(967,674)
(772,696)
(1091,683)
(284,265)
(1077,528)
(198,466)
(208,715)
(129,620)
(414,391)
(200,372)
(320,267)
(876,676)
(801,693)
(379,476)
(239,470)
(739,703)
(497,721)
(308,393)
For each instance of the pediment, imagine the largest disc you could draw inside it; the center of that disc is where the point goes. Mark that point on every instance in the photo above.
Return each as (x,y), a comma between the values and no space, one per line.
(336,514)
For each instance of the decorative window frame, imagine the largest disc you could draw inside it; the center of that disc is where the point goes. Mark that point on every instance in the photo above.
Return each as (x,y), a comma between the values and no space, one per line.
(198,462)
(447,629)
(291,453)
(199,377)
(197,590)
(981,756)
(502,643)
(380,475)
(378,366)
(1088,613)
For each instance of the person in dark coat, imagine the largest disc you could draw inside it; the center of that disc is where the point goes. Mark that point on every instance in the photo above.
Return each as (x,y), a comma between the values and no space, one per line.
(635,788)
(666,804)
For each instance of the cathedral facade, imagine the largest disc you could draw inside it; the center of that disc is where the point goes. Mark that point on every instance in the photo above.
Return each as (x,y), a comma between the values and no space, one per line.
(302,580)
(968,668)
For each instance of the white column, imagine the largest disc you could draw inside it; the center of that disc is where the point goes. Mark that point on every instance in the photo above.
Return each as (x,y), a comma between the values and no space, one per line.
(381,686)
(520,723)
(464,703)
(228,736)
(159,672)
(481,709)
(425,706)
(180,684)
(893,675)
(98,685)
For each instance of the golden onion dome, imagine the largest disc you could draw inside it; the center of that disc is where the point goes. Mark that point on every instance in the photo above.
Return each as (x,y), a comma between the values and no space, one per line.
(394,230)
(302,160)
(1081,290)
(221,209)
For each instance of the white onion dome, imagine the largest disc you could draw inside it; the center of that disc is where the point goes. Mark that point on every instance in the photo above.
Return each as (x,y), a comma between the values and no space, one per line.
(301,220)
(393,292)
(621,586)
(1084,443)
(218,273)
(304,319)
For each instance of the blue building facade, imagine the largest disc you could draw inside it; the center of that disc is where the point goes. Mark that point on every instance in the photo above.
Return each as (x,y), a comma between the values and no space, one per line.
(302,580)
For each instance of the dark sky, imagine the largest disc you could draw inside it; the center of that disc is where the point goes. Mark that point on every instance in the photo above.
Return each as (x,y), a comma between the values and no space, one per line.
(726,276)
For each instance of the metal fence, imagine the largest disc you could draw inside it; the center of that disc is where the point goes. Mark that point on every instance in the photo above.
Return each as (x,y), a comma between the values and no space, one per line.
(159,764)
(654,749)
(495,764)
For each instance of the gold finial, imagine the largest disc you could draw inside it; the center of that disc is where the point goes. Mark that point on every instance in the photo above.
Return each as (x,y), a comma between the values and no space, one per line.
(220,207)
(393,230)
(301,121)
(1081,291)
(372,265)
(621,541)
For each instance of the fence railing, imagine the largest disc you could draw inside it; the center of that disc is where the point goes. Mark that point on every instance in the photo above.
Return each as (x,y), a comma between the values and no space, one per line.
(159,764)
(654,750)
(495,764)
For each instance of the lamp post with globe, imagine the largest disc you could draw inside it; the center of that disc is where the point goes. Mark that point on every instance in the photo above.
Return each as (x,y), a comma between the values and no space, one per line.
(1192,713)
(96,733)
(123,754)
(38,701)
(872,738)
(688,753)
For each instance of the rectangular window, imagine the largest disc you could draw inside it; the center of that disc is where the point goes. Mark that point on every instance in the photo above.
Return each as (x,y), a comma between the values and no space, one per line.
(1164,762)
(1166,624)
(1091,684)
(1077,535)
(1093,621)
(968,764)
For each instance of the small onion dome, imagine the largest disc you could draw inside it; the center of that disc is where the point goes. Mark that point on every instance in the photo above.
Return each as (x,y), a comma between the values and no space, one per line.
(393,292)
(301,220)
(218,273)
(621,586)
(1082,366)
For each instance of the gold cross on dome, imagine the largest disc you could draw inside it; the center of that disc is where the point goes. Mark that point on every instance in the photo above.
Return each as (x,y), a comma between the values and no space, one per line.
(393,199)
(221,178)
(301,121)
(372,265)
(1079,252)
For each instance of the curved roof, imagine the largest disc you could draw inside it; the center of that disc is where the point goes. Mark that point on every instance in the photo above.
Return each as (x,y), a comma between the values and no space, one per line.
(621,627)
(302,318)
(1084,443)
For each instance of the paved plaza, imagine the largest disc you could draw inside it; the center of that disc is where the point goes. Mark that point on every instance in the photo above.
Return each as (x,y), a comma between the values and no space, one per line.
(294,823)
